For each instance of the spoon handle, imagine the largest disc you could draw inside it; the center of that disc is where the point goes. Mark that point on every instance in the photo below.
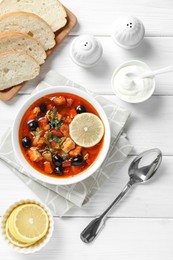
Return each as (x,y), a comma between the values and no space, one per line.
(95,226)
(156,72)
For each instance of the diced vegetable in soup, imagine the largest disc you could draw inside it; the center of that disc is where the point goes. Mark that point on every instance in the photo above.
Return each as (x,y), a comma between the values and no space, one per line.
(45,139)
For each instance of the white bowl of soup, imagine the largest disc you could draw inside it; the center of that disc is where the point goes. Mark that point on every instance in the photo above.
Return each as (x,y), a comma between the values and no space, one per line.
(61,135)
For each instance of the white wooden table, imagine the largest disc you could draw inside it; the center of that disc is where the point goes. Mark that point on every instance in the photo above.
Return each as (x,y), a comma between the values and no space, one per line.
(141,227)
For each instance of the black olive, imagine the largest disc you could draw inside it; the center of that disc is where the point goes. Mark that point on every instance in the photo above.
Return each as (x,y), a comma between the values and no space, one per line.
(26,142)
(80,109)
(43,107)
(58,170)
(57,160)
(33,125)
(77,161)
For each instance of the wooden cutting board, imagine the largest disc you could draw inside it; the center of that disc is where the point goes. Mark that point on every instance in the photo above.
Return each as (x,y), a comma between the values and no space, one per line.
(60,35)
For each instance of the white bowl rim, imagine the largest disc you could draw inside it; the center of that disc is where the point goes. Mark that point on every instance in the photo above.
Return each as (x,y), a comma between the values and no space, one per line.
(34,248)
(128,63)
(53,180)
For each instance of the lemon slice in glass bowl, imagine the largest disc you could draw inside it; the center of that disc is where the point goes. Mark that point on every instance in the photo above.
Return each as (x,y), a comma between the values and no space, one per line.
(28,223)
(86,129)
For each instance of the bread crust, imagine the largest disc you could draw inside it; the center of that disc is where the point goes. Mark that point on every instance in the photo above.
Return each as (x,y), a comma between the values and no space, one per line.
(10,35)
(22,13)
(27,15)
(9,55)
(55,28)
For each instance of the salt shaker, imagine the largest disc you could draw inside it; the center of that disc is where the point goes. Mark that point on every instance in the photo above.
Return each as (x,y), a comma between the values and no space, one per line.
(128,32)
(86,50)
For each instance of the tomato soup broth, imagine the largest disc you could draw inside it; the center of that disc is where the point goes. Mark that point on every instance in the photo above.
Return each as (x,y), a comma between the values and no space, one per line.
(45,140)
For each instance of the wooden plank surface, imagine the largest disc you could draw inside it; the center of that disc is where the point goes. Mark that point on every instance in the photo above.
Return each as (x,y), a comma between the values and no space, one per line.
(150,200)
(122,239)
(141,226)
(97,17)
(156,52)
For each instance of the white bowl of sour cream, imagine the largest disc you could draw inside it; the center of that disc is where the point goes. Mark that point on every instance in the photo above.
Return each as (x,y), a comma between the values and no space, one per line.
(132,91)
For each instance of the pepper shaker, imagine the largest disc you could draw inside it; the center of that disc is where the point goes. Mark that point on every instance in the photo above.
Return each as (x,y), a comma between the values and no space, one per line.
(86,51)
(128,32)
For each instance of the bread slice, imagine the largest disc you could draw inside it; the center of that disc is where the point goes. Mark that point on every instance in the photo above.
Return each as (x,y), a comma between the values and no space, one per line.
(30,24)
(22,42)
(51,11)
(16,67)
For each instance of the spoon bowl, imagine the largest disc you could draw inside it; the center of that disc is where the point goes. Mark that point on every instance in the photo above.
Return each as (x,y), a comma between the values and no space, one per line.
(144,166)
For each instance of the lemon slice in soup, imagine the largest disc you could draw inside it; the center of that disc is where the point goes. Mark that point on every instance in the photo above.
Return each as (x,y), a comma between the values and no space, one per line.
(86,129)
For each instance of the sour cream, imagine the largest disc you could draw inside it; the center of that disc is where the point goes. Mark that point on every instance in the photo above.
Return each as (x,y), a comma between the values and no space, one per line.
(133,91)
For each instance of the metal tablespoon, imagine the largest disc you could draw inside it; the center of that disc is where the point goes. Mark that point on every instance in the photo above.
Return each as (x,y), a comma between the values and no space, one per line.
(141,169)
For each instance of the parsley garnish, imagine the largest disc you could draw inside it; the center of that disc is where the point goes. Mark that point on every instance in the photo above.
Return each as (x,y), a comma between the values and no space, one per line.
(36,133)
(56,139)
(64,157)
(54,112)
(54,123)
(43,150)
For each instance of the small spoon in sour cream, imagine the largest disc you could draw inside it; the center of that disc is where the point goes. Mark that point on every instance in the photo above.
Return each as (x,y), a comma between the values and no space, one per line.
(133,77)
